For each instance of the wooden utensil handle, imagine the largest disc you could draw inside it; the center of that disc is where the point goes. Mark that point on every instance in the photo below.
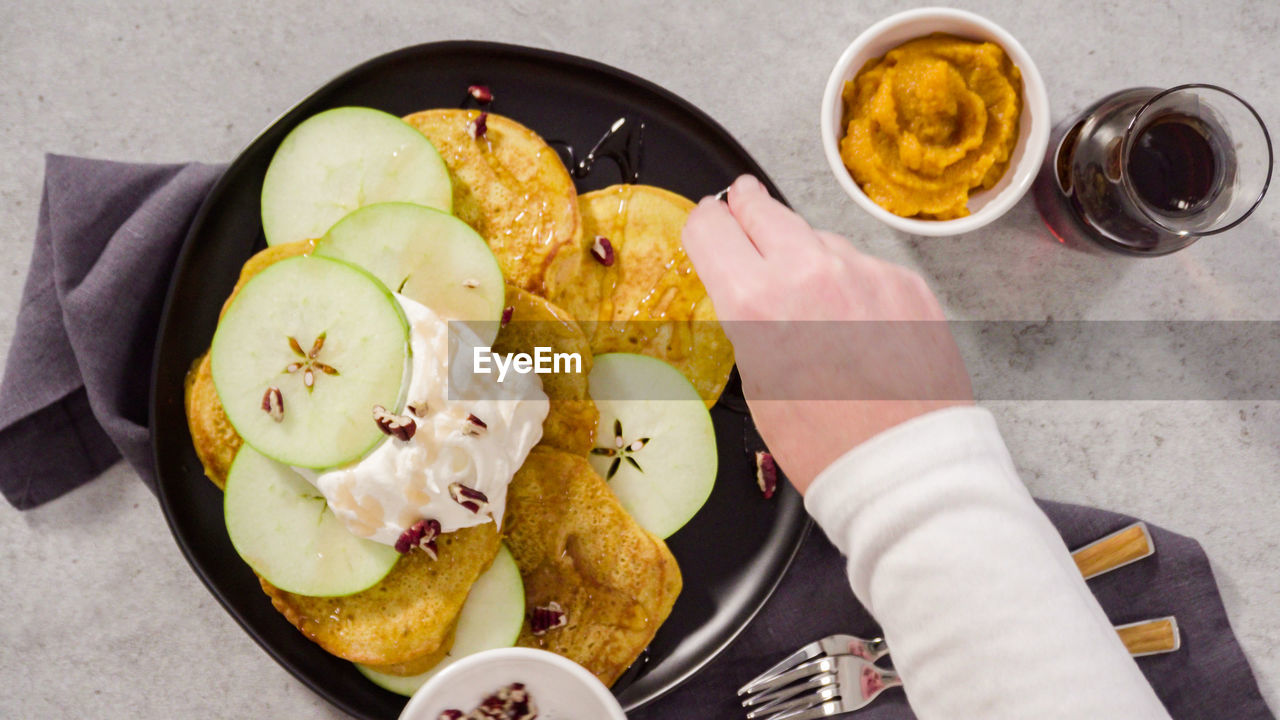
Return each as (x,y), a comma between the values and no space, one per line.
(1121,547)
(1151,637)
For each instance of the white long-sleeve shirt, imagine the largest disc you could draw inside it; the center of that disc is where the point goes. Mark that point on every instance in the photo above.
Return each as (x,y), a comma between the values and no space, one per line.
(983,608)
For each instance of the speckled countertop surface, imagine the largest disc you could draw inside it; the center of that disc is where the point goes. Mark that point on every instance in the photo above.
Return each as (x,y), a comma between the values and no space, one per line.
(104,616)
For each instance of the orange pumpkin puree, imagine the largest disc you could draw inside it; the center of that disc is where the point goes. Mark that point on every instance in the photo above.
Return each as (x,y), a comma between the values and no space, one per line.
(930,122)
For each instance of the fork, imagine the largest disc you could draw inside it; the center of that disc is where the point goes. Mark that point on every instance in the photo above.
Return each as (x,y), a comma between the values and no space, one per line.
(1122,547)
(820,687)
(771,688)
(830,646)
(819,679)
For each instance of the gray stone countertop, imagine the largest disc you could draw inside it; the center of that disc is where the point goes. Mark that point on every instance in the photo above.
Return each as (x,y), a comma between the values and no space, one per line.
(104,615)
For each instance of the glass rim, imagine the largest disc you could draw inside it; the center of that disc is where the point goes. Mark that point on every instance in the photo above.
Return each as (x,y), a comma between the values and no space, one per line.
(1127,145)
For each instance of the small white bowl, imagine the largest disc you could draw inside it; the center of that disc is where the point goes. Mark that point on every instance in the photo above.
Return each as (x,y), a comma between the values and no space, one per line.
(1033,126)
(561,688)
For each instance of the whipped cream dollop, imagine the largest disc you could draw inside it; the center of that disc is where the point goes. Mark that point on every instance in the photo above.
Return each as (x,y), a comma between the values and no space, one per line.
(403,481)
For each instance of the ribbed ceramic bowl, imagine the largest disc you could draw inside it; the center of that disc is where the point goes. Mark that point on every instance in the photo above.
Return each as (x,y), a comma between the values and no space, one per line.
(1033,127)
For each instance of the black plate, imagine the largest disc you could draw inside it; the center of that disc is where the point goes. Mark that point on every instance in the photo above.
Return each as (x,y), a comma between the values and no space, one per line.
(732,554)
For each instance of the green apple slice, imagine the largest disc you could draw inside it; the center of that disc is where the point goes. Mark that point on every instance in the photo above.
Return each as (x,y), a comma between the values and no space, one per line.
(304,352)
(341,160)
(656,445)
(427,255)
(491,618)
(281,526)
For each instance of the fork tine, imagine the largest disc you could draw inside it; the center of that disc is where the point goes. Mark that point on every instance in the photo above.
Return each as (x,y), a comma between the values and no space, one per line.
(804,702)
(826,709)
(817,681)
(799,672)
(807,652)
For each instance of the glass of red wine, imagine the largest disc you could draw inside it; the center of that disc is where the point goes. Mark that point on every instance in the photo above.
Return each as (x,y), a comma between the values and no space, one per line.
(1148,171)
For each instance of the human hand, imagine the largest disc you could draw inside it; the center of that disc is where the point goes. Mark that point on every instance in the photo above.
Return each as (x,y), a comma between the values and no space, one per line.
(879,353)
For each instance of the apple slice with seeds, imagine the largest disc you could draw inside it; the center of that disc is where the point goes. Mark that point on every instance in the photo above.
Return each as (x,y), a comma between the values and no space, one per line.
(656,445)
(427,255)
(303,354)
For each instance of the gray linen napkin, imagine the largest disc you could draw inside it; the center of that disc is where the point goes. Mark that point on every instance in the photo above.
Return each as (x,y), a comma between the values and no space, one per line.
(74,400)
(76,383)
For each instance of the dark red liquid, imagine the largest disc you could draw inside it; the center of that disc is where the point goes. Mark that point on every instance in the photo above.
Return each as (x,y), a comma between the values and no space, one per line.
(1172,165)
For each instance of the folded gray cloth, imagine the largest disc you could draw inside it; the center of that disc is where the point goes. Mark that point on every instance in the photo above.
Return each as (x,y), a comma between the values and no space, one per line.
(76,383)
(74,400)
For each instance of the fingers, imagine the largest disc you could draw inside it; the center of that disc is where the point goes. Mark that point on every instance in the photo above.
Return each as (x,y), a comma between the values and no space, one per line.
(774,229)
(721,252)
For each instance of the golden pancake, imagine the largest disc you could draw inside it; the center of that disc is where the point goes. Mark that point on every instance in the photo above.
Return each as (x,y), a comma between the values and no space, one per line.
(422,664)
(650,300)
(576,546)
(510,186)
(408,614)
(571,422)
(216,441)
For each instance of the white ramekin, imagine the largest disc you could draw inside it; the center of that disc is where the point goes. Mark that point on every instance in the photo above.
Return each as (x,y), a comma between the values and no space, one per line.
(560,687)
(1033,126)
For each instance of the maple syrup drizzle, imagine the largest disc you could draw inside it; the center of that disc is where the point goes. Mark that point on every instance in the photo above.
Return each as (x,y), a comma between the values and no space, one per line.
(623,143)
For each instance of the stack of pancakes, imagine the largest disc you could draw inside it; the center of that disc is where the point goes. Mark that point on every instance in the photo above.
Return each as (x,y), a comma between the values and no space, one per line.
(573,542)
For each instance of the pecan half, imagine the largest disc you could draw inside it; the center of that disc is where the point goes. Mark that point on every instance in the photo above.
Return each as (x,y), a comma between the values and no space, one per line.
(475,426)
(421,535)
(469,498)
(479,127)
(400,427)
(520,705)
(547,617)
(491,708)
(273,403)
(766,473)
(512,702)
(602,250)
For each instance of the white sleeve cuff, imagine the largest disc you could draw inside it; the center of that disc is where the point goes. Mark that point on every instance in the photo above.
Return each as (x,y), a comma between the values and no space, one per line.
(905,453)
